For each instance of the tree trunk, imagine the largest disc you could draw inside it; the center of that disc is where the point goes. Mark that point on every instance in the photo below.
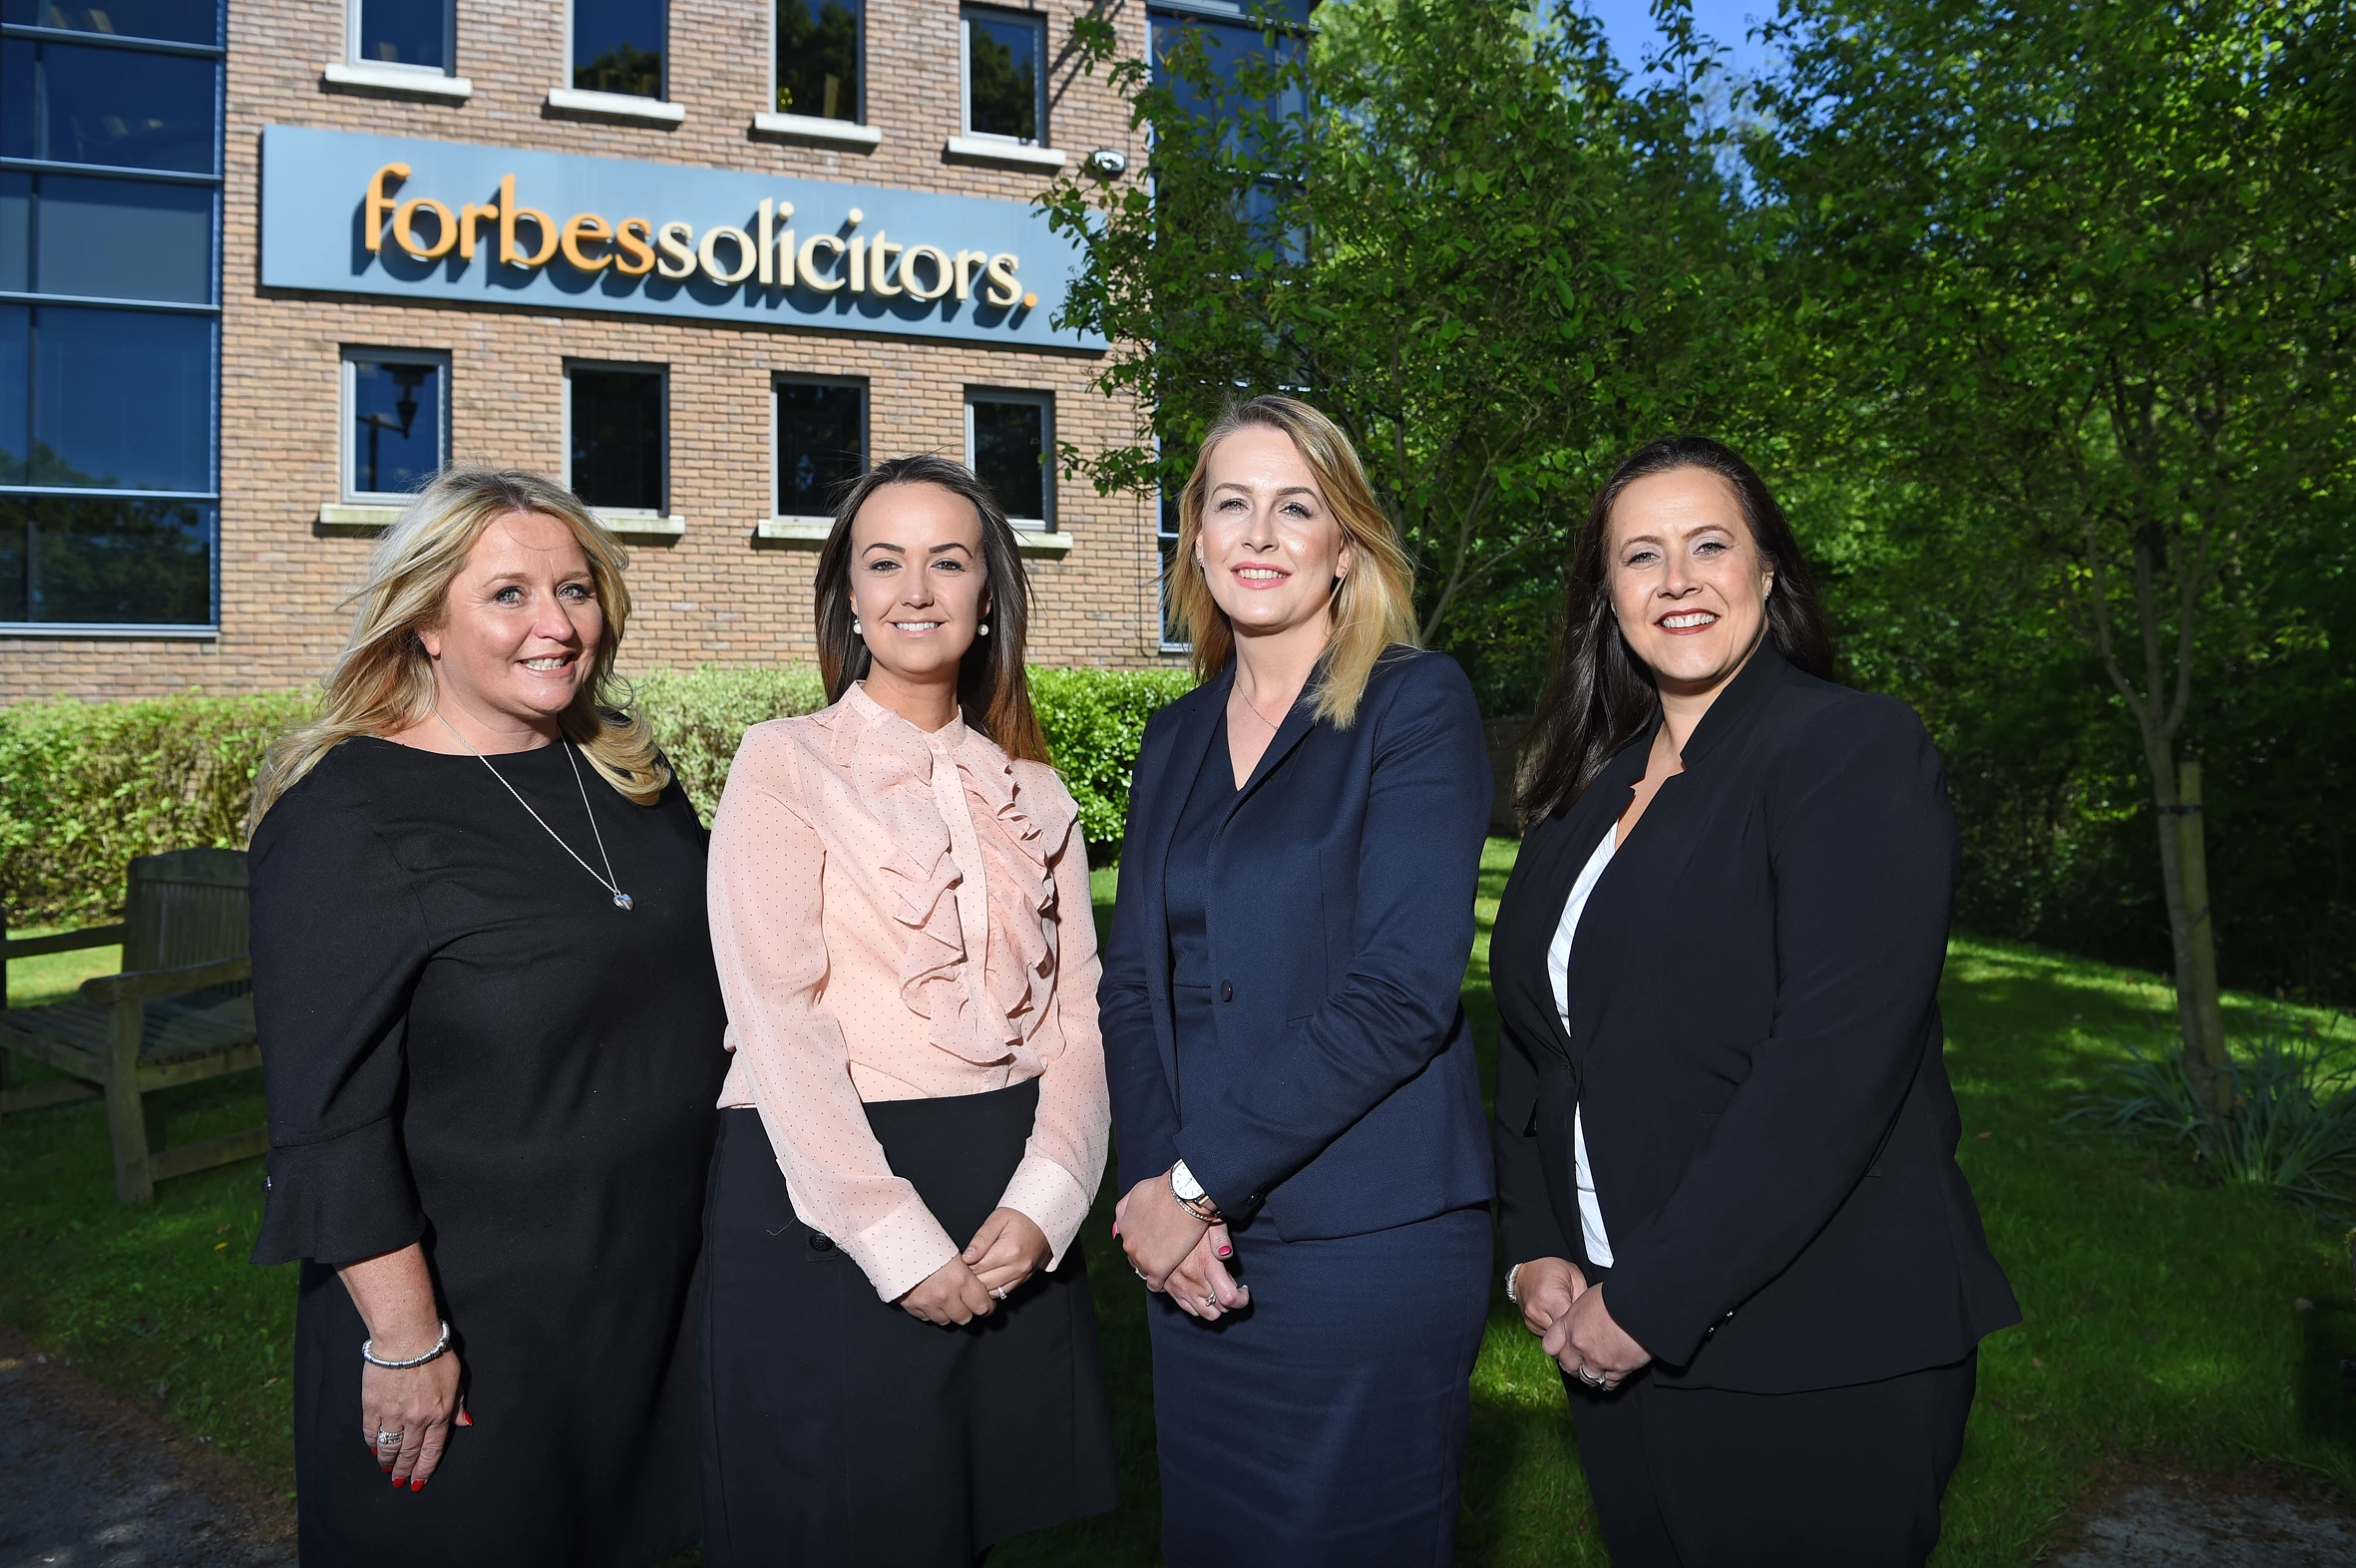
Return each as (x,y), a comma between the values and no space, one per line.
(2204,1061)
(2207,1005)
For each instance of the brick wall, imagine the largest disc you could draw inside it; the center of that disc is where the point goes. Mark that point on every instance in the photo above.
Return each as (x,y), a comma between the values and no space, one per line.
(711,596)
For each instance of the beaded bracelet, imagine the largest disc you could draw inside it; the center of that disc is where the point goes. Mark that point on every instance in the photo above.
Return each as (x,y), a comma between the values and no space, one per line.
(368,1352)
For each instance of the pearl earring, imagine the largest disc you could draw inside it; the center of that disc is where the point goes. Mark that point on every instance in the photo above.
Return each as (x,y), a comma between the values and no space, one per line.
(855,628)
(984,628)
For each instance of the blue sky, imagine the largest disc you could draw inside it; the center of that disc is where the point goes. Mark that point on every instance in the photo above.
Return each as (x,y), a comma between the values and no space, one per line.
(1630,24)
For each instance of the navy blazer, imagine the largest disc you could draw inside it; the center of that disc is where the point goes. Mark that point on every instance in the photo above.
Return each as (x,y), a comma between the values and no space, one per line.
(1339,922)
(1755,1036)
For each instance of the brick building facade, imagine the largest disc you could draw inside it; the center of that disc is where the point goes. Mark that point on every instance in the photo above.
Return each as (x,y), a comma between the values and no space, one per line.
(720,569)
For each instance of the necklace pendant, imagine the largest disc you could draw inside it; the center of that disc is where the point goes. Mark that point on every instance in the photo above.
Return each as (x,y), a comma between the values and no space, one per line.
(621,900)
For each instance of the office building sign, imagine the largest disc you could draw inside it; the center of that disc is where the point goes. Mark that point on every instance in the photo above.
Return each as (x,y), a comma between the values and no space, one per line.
(413,219)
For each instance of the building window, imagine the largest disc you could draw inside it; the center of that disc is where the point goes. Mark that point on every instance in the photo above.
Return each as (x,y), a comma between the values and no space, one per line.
(107,103)
(109,315)
(415,33)
(396,418)
(818,45)
(617,432)
(1005,88)
(821,444)
(1011,443)
(1165,538)
(617,46)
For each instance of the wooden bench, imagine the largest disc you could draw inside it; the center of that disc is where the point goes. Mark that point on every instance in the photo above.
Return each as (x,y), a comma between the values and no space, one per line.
(181,1011)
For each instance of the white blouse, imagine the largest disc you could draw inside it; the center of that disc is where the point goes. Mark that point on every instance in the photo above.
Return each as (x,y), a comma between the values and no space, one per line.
(1558,965)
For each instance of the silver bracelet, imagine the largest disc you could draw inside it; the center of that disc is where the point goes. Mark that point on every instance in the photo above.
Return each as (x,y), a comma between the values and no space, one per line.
(1511,1293)
(368,1352)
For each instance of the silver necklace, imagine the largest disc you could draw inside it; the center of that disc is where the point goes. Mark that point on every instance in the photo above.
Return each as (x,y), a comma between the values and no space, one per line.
(1255,707)
(622,900)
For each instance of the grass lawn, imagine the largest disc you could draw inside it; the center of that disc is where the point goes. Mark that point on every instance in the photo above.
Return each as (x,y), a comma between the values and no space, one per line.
(2161,1328)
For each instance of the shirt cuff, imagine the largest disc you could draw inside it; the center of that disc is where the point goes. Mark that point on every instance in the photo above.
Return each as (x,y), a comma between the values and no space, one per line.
(1052,1198)
(900,1251)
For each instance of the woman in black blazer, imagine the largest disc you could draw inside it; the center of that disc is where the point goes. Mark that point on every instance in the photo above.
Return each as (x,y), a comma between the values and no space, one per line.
(1726,1139)
(1294,1089)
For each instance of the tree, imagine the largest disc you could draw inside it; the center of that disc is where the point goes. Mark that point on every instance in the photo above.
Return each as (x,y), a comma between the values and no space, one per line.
(1448,225)
(2080,273)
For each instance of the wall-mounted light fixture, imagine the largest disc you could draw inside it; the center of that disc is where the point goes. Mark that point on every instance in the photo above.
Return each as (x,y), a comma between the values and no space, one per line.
(1108,163)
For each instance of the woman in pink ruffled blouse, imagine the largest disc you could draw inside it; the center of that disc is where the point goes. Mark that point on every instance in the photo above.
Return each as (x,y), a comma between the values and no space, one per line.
(900,1352)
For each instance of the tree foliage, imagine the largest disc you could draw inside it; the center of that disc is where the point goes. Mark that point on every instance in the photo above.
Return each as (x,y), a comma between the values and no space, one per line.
(1451,227)
(2076,280)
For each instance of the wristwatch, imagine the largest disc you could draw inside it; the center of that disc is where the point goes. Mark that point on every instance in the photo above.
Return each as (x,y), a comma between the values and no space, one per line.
(1191,1195)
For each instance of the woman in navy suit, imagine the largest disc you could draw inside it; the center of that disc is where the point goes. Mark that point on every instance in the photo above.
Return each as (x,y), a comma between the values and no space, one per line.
(1301,1134)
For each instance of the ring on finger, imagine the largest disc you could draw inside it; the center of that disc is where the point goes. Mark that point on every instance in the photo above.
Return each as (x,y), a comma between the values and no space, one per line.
(999,1291)
(385,1439)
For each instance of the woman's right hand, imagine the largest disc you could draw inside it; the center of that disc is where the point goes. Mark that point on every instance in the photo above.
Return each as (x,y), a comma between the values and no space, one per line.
(950,1294)
(1547,1287)
(1201,1284)
(417,1402)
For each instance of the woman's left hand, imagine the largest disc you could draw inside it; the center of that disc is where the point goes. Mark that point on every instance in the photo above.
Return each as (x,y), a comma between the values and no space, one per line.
(1156,1230)
(1588,1344)
(1007,1250)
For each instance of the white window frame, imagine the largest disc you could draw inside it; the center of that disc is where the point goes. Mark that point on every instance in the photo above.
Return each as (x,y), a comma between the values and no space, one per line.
(351,45)
(638,367)
(776,459)
(1161,580)
(966,128)
(347,396)
(1047,405)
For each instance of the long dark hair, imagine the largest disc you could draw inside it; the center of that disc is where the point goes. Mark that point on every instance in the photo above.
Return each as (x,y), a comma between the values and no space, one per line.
(1600,697)
(992,691)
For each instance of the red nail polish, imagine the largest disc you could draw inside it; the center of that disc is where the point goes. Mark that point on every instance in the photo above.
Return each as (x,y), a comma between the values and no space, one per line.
(1227,1252)
(396,1481)
(417,1486)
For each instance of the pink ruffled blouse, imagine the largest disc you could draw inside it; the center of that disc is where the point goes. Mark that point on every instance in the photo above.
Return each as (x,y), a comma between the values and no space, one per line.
(899,916)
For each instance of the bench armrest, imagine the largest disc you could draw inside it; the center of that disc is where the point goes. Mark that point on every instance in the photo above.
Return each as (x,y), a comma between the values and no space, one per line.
(142,984)
(63,940)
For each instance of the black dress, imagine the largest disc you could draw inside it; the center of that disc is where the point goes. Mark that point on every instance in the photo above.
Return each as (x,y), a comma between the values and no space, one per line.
(467,1043)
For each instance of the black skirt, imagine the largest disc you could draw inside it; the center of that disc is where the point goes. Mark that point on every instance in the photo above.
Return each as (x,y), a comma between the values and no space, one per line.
(839,1429)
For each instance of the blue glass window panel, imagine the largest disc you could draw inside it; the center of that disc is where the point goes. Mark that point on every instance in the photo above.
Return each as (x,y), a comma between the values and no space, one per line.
(617,46)
(406,32)
(821,445)
(16,231)
(1003,74)
(122,107)
(396,425)
(122,399)
(181,21)
(116,560)
(125,239)
(16,380)
(1228,50)
(1011,455)
(15,525)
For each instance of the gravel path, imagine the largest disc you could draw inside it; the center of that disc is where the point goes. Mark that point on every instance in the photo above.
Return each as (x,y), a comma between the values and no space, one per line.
(2173,1526)
(87,1481)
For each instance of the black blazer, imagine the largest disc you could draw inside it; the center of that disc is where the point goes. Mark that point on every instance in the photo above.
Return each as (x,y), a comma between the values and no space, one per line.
(1755,1039)
(1340,920)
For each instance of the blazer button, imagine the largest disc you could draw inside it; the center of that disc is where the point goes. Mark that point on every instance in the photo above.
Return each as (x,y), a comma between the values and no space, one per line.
(1226,990)
(820,1243)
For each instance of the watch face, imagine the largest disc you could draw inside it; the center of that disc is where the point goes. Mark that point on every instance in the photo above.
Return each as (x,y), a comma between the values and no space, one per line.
(1182,1183)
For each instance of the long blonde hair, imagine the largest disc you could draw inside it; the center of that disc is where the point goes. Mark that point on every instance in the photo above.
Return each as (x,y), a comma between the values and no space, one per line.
(1373,606)
(384,680)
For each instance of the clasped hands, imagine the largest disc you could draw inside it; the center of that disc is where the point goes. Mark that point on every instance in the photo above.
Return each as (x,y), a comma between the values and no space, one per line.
(1569,1318)
(1174,1250)
(1007,1250)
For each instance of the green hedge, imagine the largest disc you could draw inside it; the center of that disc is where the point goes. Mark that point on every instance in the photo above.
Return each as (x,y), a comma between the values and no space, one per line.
(86,786)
